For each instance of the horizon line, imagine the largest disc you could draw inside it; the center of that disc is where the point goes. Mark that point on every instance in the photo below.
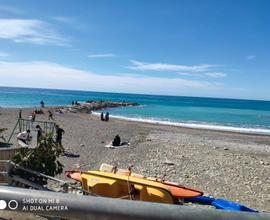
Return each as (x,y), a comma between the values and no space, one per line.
(78,90)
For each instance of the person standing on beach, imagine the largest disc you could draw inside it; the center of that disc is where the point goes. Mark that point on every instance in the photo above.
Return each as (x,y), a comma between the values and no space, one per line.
(39,133)
(50,117)
(20,114)
(107,116)
(32,119)
(102,116)
(59,134)
(42,104)
(33,116)
(19,117)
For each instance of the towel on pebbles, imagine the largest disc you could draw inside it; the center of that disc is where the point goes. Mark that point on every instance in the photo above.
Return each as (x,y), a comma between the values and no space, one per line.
(123,144)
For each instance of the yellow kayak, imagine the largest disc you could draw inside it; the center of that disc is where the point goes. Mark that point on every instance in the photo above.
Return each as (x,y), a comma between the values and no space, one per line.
(115,185)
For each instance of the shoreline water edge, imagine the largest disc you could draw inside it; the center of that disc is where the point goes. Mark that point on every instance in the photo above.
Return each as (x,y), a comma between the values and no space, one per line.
(231,115)
(253,131)
(193,125)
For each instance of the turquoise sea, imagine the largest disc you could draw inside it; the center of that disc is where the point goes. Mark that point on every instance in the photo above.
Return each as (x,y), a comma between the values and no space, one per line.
(211,113)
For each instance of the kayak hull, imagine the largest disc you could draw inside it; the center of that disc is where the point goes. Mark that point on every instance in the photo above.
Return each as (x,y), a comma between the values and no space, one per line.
(128,187)
(229,205)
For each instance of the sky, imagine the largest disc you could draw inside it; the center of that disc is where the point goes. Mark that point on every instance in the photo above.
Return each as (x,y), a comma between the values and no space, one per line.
(203,48)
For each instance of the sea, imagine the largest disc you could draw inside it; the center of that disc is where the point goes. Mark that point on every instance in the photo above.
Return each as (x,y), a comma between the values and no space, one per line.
(235,115)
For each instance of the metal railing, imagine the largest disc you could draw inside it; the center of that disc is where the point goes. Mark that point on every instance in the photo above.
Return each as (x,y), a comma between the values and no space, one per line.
(71,206)
(25,124)
(10,178)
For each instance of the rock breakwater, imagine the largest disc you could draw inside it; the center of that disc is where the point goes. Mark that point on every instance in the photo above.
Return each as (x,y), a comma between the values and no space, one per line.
(89,106)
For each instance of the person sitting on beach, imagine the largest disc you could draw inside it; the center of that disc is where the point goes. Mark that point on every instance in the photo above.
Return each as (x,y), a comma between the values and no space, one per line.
(116,141)
(38,111)
(102,116)
(25,137)
(50,117)
(59,111)
(72,103)
(59,134)
(107,116)
(39,133)
(32,119)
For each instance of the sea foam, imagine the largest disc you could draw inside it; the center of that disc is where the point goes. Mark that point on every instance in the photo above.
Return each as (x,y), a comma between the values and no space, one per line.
(259,131)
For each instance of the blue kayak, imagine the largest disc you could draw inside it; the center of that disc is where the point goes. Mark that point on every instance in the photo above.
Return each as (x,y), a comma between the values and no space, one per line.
(204,200)
(232,206)
(219,203)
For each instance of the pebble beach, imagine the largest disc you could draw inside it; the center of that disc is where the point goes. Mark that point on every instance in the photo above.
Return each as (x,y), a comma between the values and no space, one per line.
(227,165)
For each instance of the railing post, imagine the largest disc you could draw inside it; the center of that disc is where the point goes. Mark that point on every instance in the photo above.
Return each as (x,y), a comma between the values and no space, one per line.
(20,125)
(13,131)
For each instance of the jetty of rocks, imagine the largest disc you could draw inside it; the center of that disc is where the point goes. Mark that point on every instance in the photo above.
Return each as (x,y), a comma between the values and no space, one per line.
(89,106)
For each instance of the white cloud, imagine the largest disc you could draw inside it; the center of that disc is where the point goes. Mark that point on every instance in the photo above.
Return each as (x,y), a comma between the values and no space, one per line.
(218,84)
(103,55)
(216,74)
(4,54)
(251,57)
(70,21)
(30,31)
(50,75)
(185,74)
(63,19)
(9,9)
(143,66)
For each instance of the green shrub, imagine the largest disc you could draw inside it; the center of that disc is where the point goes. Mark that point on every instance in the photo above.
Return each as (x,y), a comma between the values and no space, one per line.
(44,159)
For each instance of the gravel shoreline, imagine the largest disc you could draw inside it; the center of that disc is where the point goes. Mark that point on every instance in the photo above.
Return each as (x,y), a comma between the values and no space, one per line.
(228,165)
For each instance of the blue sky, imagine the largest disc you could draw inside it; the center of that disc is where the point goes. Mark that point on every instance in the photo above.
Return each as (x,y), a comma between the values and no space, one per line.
(182,47)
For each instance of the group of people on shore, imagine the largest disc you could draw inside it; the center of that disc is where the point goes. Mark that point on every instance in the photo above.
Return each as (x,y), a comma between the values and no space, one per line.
(117,140)
(106,117)
(26,136)
(59,133)
(76,103)
(32,116)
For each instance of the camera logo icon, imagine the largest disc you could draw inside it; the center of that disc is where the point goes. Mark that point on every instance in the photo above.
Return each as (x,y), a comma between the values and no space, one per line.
(12,204)
(3,204)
